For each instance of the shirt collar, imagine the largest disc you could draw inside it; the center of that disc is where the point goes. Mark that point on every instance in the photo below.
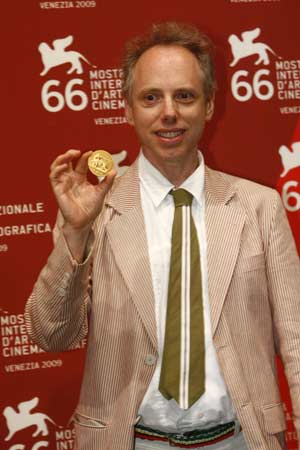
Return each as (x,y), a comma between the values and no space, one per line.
(158,186)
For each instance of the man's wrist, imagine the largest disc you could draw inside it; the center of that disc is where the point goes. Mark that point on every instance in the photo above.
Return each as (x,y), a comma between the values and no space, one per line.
(76,239)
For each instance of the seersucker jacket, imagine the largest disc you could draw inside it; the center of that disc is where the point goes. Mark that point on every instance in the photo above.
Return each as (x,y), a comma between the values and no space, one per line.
(254,294)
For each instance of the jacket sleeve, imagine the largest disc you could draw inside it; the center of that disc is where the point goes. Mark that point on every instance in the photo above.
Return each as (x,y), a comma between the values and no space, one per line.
(56,312)
(283,271)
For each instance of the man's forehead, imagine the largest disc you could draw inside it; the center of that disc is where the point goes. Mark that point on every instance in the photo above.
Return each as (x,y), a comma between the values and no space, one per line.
(164,53)
(167,64)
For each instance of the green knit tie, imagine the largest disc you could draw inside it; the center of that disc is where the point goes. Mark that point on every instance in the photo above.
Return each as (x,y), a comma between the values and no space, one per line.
(183,366)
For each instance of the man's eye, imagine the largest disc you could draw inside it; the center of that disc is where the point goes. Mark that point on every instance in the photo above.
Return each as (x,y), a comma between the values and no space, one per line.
(150,98)
(185,96)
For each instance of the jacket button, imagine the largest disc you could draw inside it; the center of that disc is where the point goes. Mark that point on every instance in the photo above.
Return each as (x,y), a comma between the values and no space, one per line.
(61,292)
(64,283)
(150,360)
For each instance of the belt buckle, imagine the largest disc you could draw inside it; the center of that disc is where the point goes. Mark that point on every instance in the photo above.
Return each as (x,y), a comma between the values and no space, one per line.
(172,436)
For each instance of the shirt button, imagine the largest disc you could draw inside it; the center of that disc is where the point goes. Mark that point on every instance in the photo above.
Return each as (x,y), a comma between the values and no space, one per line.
(150,360)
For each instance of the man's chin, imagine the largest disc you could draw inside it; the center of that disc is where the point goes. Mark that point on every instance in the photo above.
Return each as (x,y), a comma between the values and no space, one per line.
(175,155)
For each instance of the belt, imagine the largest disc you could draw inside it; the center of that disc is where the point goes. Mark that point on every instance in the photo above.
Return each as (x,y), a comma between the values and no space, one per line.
(189,439)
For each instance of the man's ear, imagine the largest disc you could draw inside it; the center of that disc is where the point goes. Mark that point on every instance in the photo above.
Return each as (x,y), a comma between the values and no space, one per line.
(210,106)
(128,113)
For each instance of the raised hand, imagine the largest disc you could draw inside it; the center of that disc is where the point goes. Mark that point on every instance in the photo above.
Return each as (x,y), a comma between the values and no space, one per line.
(79,201)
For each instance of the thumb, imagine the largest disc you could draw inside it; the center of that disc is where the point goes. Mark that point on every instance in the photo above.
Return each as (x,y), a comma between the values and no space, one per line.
(107,182)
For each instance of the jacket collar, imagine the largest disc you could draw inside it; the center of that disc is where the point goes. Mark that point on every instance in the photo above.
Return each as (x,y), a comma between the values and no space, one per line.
(125,193)
(217,187)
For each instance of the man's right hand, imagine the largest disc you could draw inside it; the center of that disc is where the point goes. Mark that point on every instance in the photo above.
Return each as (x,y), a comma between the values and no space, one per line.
(79,201)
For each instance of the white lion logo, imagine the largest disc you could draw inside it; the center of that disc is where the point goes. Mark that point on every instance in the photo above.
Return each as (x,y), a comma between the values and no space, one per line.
(23,418)
(241,48)
(290,159)
(56,56)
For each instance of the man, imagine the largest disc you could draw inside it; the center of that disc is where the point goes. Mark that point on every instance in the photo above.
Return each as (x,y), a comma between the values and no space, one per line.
(109,274)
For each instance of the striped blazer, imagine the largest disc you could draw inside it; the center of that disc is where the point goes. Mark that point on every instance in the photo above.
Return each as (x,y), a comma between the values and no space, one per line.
(254,285)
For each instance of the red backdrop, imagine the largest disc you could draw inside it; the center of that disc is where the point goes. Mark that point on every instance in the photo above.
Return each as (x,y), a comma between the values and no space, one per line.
(255,133)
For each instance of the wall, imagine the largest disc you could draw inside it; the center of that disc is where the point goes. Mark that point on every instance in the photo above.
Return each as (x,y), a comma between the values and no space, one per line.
(53,100)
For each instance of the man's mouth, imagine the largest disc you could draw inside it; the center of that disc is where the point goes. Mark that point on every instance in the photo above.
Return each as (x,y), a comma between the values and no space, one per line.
(170,134)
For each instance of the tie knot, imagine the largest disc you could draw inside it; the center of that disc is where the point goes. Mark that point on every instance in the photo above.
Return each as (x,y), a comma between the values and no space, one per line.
(182,197)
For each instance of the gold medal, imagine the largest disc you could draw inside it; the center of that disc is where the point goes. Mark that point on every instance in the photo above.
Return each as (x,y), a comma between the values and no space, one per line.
(100,163)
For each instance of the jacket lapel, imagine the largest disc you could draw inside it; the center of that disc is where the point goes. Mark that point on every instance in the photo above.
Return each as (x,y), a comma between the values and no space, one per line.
(127,237)
(224,223)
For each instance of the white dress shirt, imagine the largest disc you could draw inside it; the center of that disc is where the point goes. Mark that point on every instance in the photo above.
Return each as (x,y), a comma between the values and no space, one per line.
(214,407)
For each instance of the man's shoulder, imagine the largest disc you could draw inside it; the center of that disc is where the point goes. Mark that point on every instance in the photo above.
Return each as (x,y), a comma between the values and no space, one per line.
(240,185)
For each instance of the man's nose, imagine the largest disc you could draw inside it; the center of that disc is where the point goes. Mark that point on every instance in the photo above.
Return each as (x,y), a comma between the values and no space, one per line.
(169,111)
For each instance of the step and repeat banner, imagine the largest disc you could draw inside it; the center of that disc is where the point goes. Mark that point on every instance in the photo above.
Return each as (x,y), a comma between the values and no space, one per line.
(61,89)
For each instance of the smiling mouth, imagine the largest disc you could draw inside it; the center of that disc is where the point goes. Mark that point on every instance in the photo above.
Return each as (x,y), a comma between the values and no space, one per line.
(170,134)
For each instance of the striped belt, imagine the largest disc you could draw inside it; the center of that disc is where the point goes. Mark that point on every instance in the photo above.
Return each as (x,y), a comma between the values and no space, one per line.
(189,439)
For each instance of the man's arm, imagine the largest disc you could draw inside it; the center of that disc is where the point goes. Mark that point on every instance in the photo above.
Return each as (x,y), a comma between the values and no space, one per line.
(56,312)
(283,271)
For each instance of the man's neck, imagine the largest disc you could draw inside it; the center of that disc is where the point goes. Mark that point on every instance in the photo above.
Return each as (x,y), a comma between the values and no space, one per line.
(176,171)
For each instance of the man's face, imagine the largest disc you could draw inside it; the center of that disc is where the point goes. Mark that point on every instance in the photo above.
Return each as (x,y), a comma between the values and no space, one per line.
(167,106)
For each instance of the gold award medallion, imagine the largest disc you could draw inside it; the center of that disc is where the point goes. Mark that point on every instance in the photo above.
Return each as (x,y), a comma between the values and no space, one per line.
(100,163)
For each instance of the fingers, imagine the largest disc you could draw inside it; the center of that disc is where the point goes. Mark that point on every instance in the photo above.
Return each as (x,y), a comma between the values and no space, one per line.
(57,171)
(107,182)
(65,158)
(82,164)
(109,179)
(64,164)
